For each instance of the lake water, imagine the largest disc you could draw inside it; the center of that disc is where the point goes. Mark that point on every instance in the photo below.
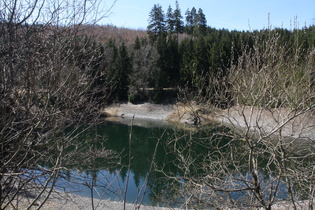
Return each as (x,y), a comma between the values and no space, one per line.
(136,163)
(117,161)
(121,170)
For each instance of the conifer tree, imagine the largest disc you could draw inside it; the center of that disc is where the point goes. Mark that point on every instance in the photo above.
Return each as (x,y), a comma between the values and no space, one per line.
(156,25)
(186,49)
(137,44)
(112,54)
(178,23)
(161,79)
(98,74)
(170,20)
(122,71)
(200,23)
(196,22)
(190,20)
(172,62)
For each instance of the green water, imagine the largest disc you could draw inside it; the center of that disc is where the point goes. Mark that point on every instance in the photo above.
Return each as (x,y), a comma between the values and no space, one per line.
(151,163)
(121,161)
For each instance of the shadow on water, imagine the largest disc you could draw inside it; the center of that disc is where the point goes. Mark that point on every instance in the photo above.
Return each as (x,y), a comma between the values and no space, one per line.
(98,161)
(105,163)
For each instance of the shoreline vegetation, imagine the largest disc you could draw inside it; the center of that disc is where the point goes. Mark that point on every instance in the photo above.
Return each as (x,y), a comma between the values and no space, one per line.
(59,69)
(181,115)
(68,201)
(59,200)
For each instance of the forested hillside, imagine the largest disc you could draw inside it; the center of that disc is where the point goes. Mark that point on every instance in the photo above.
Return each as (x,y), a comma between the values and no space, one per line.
(185,53)
(59,69)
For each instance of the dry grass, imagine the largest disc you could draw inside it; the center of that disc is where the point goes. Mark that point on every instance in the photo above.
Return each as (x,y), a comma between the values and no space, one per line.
(103,34)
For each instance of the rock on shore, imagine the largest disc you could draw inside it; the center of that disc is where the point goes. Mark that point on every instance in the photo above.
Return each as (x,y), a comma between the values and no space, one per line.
(285,122)
(177,113)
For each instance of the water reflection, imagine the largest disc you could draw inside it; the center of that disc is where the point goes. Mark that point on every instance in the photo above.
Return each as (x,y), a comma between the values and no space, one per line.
(102,160)
(99,161)
(161,165)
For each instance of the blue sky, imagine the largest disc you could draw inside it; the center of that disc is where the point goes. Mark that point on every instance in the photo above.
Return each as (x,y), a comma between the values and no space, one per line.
(228,14)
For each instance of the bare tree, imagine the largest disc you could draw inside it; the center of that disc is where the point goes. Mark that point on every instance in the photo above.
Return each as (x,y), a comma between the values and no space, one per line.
(261,152)
(45,88)
(143,74)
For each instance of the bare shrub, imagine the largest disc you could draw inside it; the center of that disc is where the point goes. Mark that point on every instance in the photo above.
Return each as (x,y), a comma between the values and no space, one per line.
(261,153)
(273,74)
(46,89)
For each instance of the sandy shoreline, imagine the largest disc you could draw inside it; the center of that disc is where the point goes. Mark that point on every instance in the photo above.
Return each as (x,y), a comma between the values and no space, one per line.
(290,124)
(141,111)
(174,113)
(295,127)
(69,201)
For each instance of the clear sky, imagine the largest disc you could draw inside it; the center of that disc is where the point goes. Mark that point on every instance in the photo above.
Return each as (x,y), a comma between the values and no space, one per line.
(228,14)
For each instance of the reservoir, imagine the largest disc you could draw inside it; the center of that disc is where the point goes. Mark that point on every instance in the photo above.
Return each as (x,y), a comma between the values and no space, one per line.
(160,164)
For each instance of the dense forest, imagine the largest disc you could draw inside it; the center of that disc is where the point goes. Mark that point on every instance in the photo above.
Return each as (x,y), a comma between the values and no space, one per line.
(59,69)
(180,54)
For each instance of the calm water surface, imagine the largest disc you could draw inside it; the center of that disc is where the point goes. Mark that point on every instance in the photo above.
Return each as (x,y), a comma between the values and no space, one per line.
(118,169)
(116,161)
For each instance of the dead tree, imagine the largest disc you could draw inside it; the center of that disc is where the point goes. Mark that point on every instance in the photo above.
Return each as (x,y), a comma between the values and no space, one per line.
(44,89)
(261,152)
